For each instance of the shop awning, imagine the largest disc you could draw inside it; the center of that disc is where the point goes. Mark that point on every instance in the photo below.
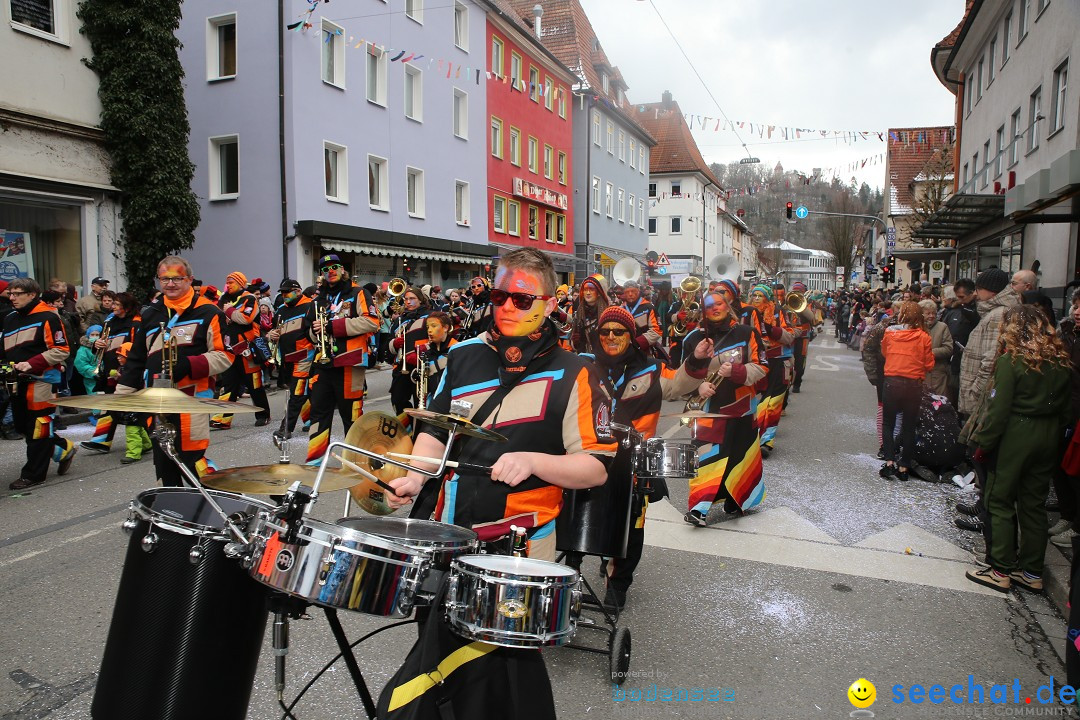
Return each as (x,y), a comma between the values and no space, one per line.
(393,251)
(919,253)
(961,214)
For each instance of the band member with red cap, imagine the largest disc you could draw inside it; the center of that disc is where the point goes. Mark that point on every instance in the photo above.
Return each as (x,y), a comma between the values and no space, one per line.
(241,309)
(732,363)
(592,301)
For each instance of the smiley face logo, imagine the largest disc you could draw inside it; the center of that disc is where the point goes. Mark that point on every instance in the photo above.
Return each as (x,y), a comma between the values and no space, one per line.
(862,693)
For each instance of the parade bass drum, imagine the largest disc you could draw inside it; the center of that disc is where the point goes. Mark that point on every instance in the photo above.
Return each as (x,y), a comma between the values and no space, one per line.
(338,567)
(188,623)
(596,521)
(513,602)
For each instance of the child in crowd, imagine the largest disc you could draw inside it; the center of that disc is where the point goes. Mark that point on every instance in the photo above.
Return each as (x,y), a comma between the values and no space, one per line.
(86,359)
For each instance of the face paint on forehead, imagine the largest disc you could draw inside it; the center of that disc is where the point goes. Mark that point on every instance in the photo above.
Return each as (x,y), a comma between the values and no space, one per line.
(517,280)
(170,270)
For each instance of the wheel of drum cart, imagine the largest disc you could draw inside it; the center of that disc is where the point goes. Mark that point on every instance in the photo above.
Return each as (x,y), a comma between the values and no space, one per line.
(619,654)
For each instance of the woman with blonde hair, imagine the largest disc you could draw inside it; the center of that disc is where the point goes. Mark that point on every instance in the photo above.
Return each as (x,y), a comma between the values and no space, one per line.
(941,344)
(905,345)
(1018,439)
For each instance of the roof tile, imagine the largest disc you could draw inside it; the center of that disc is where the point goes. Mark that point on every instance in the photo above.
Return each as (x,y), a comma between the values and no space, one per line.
(675,149)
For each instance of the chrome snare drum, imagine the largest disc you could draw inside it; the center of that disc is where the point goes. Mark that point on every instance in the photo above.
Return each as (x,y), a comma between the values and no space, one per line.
(660,458)
(338,567)
(513,601)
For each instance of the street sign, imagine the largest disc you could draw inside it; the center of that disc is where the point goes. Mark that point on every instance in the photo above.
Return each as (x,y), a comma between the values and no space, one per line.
(801,212)
(663,261)
(651,257)
(839,269)
(749,161)
(661,271)
(890,234)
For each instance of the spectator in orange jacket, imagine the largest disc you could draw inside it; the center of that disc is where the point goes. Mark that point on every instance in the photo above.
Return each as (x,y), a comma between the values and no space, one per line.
(906,348)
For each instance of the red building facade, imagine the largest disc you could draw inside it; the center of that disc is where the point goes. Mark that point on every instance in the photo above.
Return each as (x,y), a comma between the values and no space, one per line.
(530,192)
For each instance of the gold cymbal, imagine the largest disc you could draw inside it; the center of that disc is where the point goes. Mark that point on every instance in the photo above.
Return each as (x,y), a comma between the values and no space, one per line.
(380,433)
(692,414)
(276,479)
(165,401)
(464,427)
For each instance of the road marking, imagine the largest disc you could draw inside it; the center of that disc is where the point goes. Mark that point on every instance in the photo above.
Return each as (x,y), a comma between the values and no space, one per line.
(66,541)
(827,363)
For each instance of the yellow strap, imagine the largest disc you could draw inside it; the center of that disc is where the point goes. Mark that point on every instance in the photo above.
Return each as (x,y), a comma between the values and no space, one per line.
(407,692)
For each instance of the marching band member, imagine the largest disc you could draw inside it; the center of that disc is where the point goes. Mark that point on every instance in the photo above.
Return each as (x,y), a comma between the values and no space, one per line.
(196,327)
(681,320)
(432,352)
(564,311)
(803,330)
(729,358)
(778,340)
(479,309)
(458,311)
(122,323)
(338,378)
(648,328)
(34,342)
(547,402)
(592,302)
(295,350)
(411,329)
(241,309)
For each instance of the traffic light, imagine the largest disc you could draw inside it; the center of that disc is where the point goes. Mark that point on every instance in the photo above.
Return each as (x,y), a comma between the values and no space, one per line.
(789,206)
(886,276)
(892,266)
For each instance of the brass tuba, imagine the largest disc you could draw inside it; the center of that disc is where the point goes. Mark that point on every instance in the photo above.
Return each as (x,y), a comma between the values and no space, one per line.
(688,290)
(725,267)
(795,302)
(395,289)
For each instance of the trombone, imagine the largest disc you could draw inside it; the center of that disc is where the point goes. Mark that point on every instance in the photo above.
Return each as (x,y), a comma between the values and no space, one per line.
(395,289)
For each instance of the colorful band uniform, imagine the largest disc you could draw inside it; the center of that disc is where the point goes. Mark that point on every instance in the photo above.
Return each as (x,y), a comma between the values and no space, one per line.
(122,324)
(241,309)
(778,349)
(296,352)
(411,329)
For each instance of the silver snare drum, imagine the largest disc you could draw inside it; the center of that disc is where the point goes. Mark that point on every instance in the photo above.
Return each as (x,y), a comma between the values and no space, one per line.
(659,458)
(338,567)
(513,602)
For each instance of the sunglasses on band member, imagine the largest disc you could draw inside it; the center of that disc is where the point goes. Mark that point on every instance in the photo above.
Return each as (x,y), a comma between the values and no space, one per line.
(332,267)
(617,332)
(522,301)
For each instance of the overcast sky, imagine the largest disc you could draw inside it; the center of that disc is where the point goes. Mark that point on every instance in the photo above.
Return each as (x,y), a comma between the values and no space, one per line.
(824,65)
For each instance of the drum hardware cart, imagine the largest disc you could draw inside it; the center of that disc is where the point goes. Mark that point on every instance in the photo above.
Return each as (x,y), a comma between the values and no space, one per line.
(618,640)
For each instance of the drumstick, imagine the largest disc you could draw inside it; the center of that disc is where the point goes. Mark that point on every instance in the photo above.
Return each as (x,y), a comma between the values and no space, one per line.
(361,471)
(472,467)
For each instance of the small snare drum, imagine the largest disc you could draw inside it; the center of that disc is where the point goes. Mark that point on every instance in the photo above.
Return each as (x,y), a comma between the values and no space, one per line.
(660,458)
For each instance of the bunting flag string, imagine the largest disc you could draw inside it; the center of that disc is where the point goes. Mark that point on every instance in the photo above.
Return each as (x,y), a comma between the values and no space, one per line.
(749,190)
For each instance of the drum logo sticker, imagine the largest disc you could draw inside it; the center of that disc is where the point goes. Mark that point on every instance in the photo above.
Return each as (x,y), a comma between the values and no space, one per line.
(285,560)
(512,609)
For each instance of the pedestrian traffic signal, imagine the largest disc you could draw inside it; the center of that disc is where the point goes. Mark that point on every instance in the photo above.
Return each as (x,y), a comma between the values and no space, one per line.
(892,266)
(789,206)
(886,276)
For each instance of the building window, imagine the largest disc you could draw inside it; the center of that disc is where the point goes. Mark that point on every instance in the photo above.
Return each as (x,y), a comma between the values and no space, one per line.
(562,103)
(970,92)
(652,226)
(633,154)
(1006,38)
(461,114)
(376,75)
(966,174)
(622,146)
(1000,151)
(41,15)
(986,164)
(676,188)
(220,46)
(414,93)
(496,56)
(534,149)
(461,26)
(549,226)
(378,183)
(1042,6)
(534,84)
(225,167)
(549,161)
(534,220)
(1025,17)
(676,225)
(414,192)
(515,71)
(652,190)
(991,72)
(1057,109)
(562,168)
(515,146)
(641,159)
(641,213)
(609,191)
(560,229)
(622,206)
(415,9)
(979,84)
(496,137)
(596,195)
(548,99)
(604,83)
(461,202)
(596,127)
(513,218)
(1014,128)
(610,138)
(498,214)
(633,209)
(333,54)
(1034,116)
(336,169)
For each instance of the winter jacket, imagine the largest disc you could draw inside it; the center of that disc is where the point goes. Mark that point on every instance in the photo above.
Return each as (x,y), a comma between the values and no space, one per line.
(941,344)
(873,363)
(907,352)
(977,364)
(1019,390)
(1070,334)
(960,320)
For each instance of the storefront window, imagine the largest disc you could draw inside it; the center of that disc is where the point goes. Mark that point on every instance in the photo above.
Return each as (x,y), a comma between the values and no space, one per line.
(48,236)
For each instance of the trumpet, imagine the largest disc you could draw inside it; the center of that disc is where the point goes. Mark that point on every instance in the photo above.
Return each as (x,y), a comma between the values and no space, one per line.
(400,360)
(421,379)
(395,289)
(272,349)
(698,402)
(99,366)
(169,355)
(324,355)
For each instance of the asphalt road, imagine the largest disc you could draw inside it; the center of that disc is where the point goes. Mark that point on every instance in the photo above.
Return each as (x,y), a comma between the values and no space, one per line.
(781,609)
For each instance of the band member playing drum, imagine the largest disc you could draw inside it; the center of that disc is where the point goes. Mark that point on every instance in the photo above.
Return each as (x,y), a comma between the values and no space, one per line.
(341,348)
(411,329)
(121,324)
(195,326)
(241,309)
(648,327)
(778,340)
(729,358)
(592,302)
(546,401)
(295,350)
(478,316)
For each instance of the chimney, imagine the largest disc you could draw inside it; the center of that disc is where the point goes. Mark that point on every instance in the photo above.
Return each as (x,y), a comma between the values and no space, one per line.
(666,99)
(537,24)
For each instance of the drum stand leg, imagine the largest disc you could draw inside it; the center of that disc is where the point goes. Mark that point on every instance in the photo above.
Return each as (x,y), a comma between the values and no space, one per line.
(350,662)
(594,601)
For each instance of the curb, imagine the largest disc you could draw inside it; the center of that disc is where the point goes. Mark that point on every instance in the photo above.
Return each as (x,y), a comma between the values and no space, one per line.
(1056,572)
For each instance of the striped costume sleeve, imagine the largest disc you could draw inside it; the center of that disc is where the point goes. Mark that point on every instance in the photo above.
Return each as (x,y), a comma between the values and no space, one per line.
(588,403)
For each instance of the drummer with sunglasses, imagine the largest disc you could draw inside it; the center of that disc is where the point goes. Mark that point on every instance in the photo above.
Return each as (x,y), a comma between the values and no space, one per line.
(547,402)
